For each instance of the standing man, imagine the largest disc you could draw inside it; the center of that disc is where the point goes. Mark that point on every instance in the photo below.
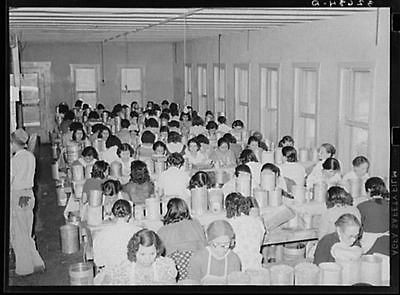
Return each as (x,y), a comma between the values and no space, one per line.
(22,201)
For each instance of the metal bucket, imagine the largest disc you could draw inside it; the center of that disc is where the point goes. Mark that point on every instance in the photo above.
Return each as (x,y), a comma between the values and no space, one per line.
(330,273)
(72,153)
(54,171)
(61,196)
(261,196)
(94,215)
(275,198)
(320,190)
(78,188)
(238,278)
(77,172)
(259,276)
(69,238)
(117,123)
(371,270)
(54,149)
(199,200)
(116,169)
(95,198)
(215,200)
(243,184)
(268,181)
(282,275)
(88,171)
(81,274)
(306,273)
(153,208)
(278,155)
(294,251)
(350,271)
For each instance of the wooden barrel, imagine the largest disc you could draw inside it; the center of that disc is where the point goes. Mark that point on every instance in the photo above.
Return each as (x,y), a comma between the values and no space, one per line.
(81,274)
(69,238)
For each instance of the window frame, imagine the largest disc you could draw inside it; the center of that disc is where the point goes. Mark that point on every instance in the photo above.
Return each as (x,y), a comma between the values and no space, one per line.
(218,98)
(187,85)
(238,102)
(142,84)
(298,115)
(73,68)
(201,96)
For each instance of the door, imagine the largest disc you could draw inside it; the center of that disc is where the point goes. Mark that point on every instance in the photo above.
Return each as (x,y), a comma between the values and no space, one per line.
(35,93)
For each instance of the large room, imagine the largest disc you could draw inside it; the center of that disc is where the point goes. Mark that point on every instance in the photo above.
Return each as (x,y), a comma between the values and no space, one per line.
(199,146)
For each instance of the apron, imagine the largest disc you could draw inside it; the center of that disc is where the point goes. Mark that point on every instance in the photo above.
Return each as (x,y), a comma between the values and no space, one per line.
(27,258)
(368,240)
(210,279)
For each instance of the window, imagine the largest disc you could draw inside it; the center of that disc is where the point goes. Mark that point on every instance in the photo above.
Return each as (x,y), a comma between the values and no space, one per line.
(241,85)
(219,88)
(85,79)
(355,100)
(30,99)
(131,85)
(202,88)
(188,84)
(269,96)
(306,105)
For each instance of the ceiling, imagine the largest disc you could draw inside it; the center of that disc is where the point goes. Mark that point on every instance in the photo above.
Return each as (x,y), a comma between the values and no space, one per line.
(155,24)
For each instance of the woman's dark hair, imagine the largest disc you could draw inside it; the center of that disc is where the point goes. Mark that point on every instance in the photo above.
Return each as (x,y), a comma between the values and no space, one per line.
(146,238)
(173,106)
(236,204)
(223,140)
(177,210)
(173,123)
(164,116)
(221,119)
(78,103)
(347,219)
(174,113)
(185,114)
(125,147)
(125,123)
(337,195)
(74,134)
(242,168)
(290,153)
(90,151)
(133,103)
(85,106)
(112,140)
(63,108)
(201,138)
(100,106)
(286,139)
(165,102)
(151,122)
(330,149)
(134,114)
(208,113)
(99,169)
(230,138)
(246,156)
(93,115)
(197,121)
(252,202)
(116,109)
(376,187)
(200,179)
(101,131)
(359,160)
(275,169)
(175,159)
(194,140)
(75,125)
(69,115)
(148,137)
(156,107)
(237,123)
(97,128)
(164,129)
(211,125)
(159,143)
(111,187)
(253,138)
(139,172)
(331,164)
(174,137)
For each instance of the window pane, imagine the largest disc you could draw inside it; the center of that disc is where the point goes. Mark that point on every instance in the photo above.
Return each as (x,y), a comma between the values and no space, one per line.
(216,86)
(85,79)
(263,88)
(308,91)
(360,105)
(359,142)
(131,79)
(237,84)
(242,114)
(204,82)
(88,97)
(243,86)
(31,114)
(307,133)
(222,83)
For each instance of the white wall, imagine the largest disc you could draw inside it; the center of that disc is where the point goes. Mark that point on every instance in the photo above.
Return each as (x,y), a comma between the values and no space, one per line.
(344,39)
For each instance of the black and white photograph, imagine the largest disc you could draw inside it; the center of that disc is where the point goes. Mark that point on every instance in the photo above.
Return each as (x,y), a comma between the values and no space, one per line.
(199,146)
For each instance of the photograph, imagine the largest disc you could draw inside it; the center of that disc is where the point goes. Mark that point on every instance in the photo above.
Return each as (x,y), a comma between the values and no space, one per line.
(199,146)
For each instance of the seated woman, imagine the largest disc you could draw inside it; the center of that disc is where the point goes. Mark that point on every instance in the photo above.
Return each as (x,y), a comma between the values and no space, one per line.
(212,264)
(79,138)
(223,156)
(111,193)
(261,143)
(205,148)
(140,187)
(110,244)
(249,231)
(146,263)
(325,151)
(167,183)
(290,168)
(238,131)
(89,156)
(197,127)
(360,171)
(248,158)
(164,130)
(186,123)
(160,149)
(253,143)
(145,150)
(110,154)
(234,146)
(375,217)
(175,144)
(343,244)
(181,234)
(193,156)
(287,140)
(125,153)
(212,135)
(338,202)
(330,174)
